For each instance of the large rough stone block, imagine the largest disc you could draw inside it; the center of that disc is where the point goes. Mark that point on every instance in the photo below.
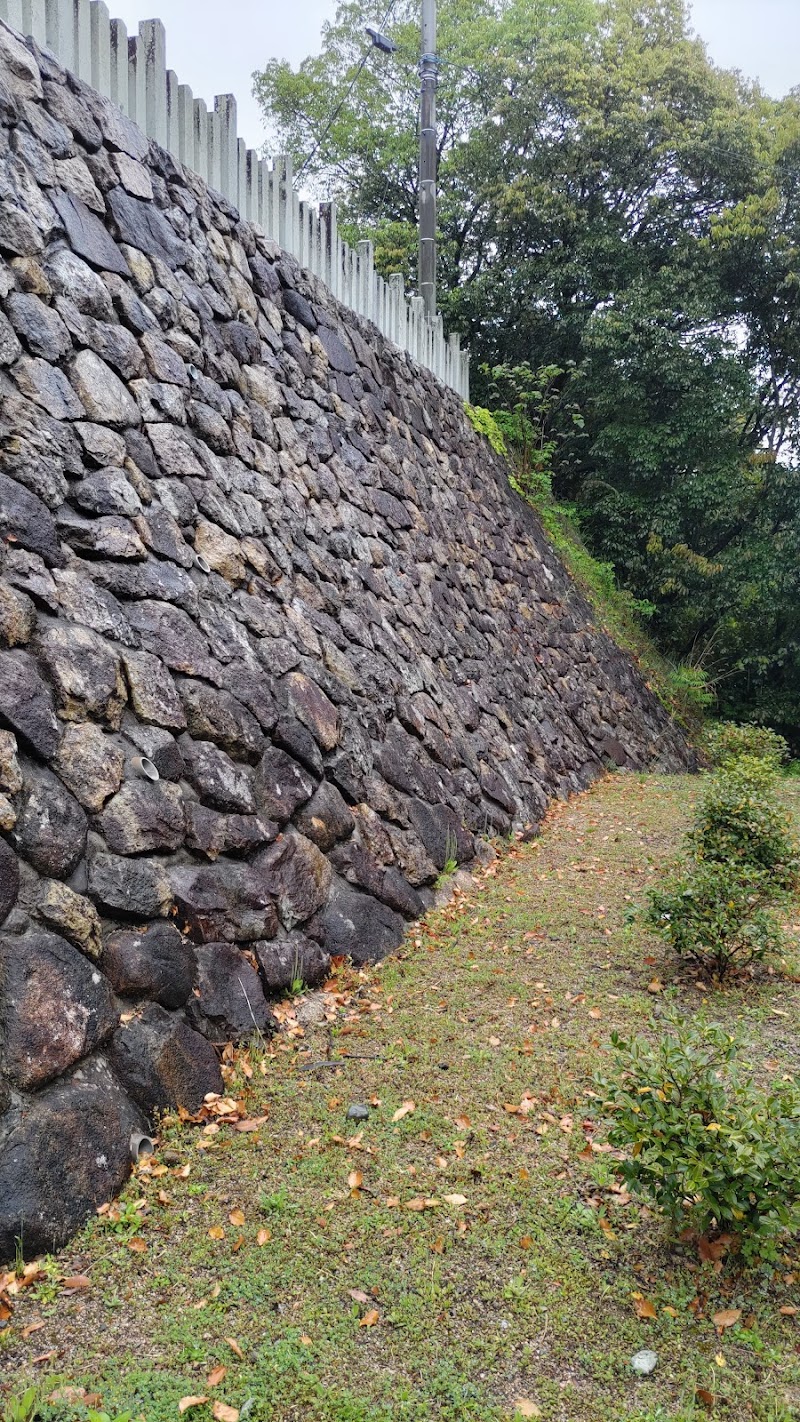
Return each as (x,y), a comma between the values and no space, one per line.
(54,1007)
(66,1152)
(154,962)
(229,1002)
(161,1061)
(91,764)
(142,817)
(281,785)
(297,875)
(51,827)
(26,702)
(86,673)
(358,926)
(137,888)
(9,880)
(286,962)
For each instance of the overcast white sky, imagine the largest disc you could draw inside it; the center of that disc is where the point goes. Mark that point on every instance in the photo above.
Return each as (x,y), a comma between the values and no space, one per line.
(215,46)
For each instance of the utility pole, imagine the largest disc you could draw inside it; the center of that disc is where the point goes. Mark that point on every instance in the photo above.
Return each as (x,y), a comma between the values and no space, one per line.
(427,159)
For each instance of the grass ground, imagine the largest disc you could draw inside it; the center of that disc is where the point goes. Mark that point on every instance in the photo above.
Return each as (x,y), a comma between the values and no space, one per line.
(461,1254)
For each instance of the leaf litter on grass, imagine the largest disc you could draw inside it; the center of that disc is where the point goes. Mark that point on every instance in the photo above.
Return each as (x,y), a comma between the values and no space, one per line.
(469,1249)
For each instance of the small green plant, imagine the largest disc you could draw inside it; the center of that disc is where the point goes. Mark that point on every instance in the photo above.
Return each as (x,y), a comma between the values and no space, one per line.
(740,821)
(278,1203)
(718,916)
(450,859)
(484,422)
(703,1142)
(23,1408)
(725,742)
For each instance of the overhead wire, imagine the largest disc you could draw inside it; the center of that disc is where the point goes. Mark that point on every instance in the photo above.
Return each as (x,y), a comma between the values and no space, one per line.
(338,109)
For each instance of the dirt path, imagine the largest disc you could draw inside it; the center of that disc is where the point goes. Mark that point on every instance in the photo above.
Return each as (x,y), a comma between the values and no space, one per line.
(461,1250)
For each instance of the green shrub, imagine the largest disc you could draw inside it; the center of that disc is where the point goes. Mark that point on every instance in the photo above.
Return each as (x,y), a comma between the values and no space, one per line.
(740,821)
(725,743)
(484,423)
(718,915)
(704,1142)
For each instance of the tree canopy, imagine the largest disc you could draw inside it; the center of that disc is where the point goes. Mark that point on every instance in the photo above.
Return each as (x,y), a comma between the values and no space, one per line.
(615,208)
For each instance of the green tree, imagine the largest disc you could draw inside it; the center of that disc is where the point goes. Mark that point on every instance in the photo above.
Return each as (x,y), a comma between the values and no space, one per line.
(614,207)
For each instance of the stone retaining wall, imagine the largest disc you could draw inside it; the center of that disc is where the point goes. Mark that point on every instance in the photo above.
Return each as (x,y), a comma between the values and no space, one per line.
(276,641)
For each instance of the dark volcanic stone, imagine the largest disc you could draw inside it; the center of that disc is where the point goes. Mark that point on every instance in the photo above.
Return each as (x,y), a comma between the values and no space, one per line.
(281,785)
(155,962)
(229,1003)
(142,225)
(298,307)
(86,234)
(9,880)
(54,1007)
(215,777)
(144,817)
(326,818)
(213,833)
(285,961)
(26,702)
(29,522)
(41,328)
(340,357)
(65,1154)
(135,887)
(217,716)
(51,826)
(442,833)
(358,926)
(162,1062)
(297,876)
(225,901)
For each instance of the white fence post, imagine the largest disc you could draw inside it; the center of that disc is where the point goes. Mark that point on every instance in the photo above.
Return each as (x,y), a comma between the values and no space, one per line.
(34,20)
(154,46)
(225,114)
(200,144)
(61,31)
(137,80)
(132,72)
(82,29)
(119,65)
(101,47)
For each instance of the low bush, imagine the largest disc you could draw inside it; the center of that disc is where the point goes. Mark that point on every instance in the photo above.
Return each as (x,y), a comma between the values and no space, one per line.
(739,820)
(718,916)
(705,1144)
(725,742)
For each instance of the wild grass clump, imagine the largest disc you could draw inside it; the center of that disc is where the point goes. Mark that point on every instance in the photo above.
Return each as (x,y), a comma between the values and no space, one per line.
(703,1141)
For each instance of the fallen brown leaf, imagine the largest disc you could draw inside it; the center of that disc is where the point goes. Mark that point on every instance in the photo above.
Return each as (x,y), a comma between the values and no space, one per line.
(191,1401)
(370,1319)
(404,1110)
(216,1376)
(358,1295)
(236,1218)
(726,1318)
(644,1308)
(234,1347)
(223,1413)
(76,1282)
(264,1236)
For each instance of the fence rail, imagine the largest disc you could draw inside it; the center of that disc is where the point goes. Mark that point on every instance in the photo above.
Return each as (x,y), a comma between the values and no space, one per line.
(132,70)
